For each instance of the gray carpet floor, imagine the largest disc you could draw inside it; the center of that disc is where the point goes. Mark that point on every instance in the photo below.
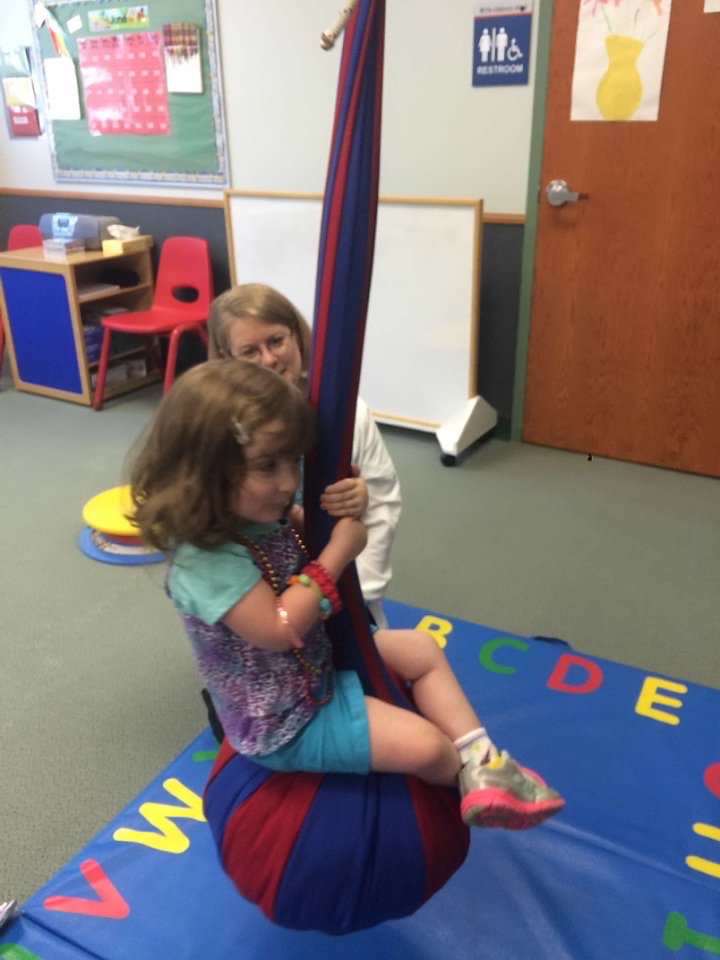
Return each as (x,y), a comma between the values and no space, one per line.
(98,687)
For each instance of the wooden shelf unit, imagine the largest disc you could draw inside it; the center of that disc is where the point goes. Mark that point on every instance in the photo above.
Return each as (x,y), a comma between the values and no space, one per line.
(109,294)
(42,303)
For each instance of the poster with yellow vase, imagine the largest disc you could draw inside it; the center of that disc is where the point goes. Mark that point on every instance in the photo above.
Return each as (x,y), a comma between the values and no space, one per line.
(619,59)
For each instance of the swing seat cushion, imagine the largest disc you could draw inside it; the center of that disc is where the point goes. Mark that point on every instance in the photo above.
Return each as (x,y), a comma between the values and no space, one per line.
(332,852)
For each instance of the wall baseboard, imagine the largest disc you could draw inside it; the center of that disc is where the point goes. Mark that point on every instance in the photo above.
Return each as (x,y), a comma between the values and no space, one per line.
(210,202)
(155,201)
(503,429)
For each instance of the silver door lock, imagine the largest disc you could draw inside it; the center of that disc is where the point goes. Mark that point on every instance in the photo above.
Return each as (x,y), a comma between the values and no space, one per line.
(558,193)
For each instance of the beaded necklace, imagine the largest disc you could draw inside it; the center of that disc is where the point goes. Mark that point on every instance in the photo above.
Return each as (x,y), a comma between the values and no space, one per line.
(310,671)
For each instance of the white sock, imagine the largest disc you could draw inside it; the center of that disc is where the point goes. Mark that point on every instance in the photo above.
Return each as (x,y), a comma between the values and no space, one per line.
(476,745)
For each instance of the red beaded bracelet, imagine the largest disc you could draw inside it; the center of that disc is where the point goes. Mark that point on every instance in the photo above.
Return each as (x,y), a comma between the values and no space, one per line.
(320,574)
(305,581)
(317,572)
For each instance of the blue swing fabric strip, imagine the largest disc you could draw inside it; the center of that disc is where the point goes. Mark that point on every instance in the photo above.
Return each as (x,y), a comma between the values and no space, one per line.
(345,261)
(362,888)
(339,853)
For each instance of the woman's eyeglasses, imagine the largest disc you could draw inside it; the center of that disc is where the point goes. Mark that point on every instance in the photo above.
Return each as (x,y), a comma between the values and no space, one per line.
(253,351)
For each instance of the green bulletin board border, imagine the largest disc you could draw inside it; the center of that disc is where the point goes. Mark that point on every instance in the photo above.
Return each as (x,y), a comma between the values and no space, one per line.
(67,168)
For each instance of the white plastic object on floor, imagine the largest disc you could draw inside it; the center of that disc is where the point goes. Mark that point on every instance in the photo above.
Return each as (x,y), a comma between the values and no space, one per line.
(9,909)
(462,430)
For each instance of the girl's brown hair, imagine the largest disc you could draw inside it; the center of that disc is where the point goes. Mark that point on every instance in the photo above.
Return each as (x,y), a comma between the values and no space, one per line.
(192,455)
(262,303)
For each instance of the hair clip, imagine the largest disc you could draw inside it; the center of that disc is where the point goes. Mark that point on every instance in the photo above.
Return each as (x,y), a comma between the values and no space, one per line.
(240,433)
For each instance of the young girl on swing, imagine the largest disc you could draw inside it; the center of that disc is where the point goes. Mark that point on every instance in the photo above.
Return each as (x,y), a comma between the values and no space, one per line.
(255,322)
(214,487)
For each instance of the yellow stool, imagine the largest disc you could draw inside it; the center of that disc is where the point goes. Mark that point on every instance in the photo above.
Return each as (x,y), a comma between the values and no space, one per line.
(108,512)
(109,536)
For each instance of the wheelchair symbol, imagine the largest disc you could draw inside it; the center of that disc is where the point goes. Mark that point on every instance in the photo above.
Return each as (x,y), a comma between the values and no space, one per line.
(514,52)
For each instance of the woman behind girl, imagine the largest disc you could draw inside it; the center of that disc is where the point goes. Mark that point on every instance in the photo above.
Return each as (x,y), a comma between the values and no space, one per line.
(256,323)
(213,486)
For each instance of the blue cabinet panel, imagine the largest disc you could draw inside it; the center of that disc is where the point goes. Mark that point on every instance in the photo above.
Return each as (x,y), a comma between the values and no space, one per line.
(41,326)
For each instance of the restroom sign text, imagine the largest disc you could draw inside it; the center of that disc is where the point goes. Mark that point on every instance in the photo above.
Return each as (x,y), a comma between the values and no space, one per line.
(501,45)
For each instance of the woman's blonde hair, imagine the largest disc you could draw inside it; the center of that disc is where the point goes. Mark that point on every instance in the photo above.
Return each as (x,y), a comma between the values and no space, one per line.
(262,303)
(193,454)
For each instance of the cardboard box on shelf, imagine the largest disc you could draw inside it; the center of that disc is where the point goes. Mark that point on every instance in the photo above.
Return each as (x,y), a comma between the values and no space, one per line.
(113,248)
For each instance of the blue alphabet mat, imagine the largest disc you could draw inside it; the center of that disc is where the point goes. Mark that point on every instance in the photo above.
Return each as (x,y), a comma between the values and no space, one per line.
(630,868)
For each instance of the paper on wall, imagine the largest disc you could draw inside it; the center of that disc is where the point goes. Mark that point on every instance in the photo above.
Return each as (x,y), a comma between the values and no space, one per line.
(61,86)
(40,15)
(15,62)
(183,66)
(184,71)
(19,92)
(712,6)
(124,83)
(619,59)
(119,18)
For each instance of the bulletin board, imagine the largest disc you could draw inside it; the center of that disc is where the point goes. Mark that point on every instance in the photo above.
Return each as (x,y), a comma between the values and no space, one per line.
(183,140)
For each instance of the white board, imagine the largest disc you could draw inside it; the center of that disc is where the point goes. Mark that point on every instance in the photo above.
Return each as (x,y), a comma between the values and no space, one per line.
(419,359)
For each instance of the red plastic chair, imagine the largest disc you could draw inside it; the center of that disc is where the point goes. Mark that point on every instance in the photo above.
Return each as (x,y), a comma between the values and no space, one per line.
(184,263)
(22,235)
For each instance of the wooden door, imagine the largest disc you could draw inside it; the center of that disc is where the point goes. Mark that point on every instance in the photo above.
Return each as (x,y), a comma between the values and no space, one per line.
(624,348)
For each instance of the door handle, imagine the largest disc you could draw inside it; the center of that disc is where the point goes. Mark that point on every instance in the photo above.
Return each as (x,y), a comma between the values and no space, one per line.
(558,193)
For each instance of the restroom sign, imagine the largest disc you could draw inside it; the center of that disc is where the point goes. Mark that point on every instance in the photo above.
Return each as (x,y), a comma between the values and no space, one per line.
(501,43)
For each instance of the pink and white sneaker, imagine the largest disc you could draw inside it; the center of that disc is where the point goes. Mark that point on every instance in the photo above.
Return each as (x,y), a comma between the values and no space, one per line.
(501,793)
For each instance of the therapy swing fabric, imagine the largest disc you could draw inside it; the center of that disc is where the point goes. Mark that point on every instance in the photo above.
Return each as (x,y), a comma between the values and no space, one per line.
(339,853)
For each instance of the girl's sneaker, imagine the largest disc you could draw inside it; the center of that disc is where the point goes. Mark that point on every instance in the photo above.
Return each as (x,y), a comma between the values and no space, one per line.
(501,793)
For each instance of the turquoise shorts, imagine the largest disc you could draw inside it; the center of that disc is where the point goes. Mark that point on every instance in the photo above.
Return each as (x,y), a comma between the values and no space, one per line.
(336,740)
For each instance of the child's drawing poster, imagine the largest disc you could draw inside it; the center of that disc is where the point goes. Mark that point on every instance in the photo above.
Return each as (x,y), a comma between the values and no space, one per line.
(619,59)
(119,18)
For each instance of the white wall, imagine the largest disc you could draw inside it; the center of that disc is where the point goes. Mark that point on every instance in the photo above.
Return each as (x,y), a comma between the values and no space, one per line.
(441,136)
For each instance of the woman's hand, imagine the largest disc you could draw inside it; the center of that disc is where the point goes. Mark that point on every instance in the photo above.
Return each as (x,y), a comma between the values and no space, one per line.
(346,498)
